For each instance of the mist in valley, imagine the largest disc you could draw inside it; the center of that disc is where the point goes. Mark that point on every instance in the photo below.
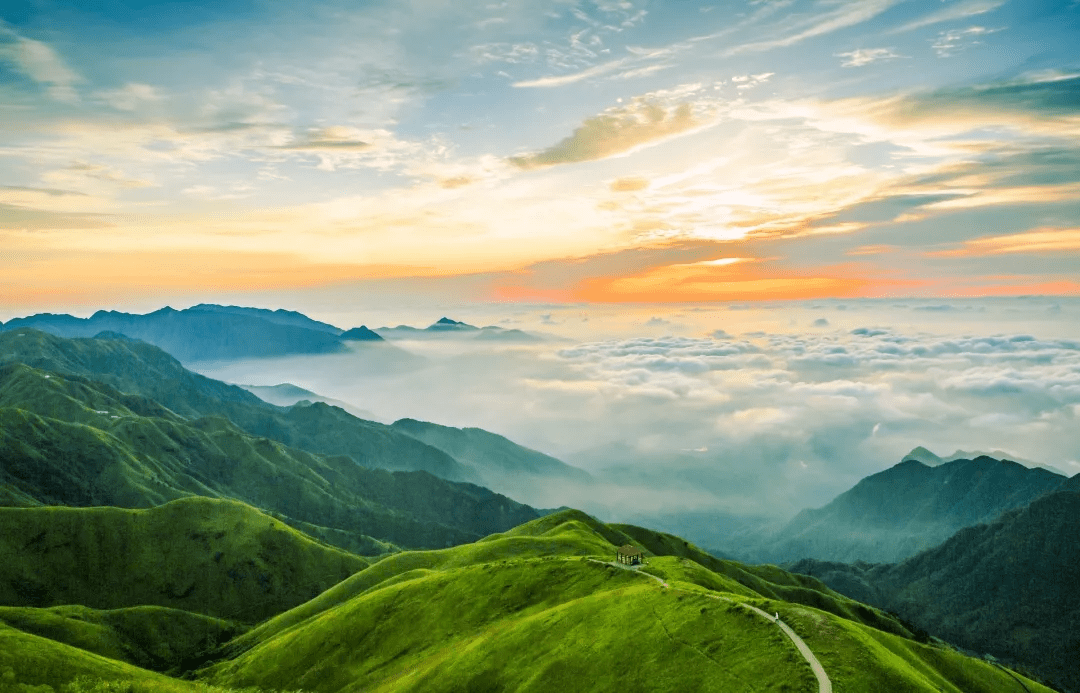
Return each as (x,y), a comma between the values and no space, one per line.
(695,423)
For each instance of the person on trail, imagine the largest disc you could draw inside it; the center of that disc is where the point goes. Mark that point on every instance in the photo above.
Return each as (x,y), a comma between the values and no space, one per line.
(777,619)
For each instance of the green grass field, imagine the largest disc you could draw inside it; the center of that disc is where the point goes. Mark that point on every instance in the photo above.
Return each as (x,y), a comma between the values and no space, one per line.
(532,609)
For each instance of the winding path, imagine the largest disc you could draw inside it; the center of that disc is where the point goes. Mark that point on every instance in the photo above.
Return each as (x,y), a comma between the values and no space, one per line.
(824,684)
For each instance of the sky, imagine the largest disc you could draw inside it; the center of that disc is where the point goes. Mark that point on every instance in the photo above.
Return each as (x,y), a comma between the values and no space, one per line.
(400,153)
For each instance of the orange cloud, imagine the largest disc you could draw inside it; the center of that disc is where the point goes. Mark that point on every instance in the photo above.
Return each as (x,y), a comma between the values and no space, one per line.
(740,281)
(1041,240)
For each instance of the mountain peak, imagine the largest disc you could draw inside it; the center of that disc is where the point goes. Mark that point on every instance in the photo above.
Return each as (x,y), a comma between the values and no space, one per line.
(921,454)
(361,333)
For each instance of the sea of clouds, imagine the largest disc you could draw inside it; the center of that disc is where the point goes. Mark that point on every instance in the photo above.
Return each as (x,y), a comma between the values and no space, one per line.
(756,423)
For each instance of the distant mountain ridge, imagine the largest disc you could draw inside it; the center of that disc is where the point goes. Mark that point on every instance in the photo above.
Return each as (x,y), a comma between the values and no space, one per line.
(208,332)
(909,507)
(498,462)
(447,327)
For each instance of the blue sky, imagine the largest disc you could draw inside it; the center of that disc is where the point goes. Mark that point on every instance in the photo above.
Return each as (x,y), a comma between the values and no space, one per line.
(562,151)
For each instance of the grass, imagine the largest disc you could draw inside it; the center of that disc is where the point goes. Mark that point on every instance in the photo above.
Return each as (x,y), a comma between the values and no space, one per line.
(214,557)
(860,658)
(530,609)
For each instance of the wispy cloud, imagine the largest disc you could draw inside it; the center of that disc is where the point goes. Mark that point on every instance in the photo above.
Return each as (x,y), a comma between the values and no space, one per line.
(843,16)
(1036,241)
(949,43)
(866,56)
(40,62)
(615,131)
(956,10)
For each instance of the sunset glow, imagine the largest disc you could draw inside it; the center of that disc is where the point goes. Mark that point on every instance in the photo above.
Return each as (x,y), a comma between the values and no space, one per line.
(743,150)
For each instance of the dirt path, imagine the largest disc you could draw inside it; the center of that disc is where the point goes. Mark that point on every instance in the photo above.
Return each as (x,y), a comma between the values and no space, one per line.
(824,684)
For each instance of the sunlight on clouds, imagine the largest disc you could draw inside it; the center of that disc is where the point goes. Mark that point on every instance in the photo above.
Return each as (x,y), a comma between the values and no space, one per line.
(1041,240)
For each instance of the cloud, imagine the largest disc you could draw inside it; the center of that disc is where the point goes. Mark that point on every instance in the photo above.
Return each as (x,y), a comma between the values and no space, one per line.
(956,10)
(629,184)
(1045,240)
(563,80)
(39,62)
(821,322)
(949,43)
(845,15)
(866,56)
(616,131)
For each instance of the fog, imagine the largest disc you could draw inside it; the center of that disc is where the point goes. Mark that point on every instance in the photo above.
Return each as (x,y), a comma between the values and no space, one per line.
(755,412)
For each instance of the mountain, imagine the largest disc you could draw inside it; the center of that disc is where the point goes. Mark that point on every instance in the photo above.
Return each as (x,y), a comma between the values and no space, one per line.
(447,328)
(537,608)
(279,316)
(497,462)
(1007,587)
(287,394)
(921,454)
(907,508)
(360,334)
(448,325)
(202,333)
(213,557)
(143,369)
(70,440)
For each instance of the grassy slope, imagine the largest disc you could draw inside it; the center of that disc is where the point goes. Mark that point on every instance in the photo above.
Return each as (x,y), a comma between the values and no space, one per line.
(143,369)
(151,637)
(527,610)
(214,557)
(69,440)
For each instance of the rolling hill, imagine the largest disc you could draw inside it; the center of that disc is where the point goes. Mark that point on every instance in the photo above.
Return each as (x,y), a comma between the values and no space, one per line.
(69,440)
(538,608)
(213,557)
(142,369)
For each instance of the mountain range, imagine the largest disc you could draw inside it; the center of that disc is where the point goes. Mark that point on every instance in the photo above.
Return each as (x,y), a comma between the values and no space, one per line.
(1006,587)
(446,327)
(902,510)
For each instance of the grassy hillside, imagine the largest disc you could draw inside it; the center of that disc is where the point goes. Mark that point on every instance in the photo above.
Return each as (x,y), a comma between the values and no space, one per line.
(142,369)
(1007,588)
(536,609)
(213,557)
(69,440)
(151,637)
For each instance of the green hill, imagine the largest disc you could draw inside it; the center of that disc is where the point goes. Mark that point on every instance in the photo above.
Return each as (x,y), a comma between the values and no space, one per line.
(213,557)
(142,369)
(69,440)
(536,608)
(1007,588)
(151,637)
